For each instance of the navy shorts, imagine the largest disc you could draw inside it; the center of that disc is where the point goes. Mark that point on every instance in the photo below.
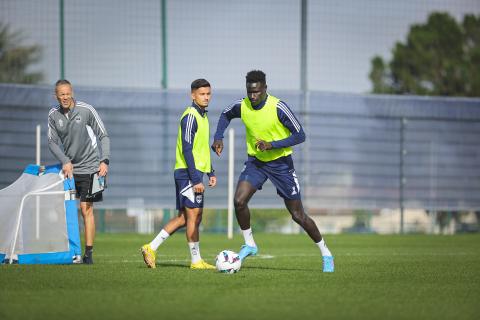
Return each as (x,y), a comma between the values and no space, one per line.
(281,172)
(82,185)
(185,195)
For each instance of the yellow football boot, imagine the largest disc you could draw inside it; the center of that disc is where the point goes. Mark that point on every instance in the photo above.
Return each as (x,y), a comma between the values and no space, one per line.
(148,256)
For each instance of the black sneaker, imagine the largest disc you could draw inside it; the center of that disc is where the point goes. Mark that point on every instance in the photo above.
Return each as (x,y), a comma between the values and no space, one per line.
(88,258)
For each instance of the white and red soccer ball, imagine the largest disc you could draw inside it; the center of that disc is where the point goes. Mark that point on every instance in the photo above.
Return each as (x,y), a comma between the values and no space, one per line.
(228,262)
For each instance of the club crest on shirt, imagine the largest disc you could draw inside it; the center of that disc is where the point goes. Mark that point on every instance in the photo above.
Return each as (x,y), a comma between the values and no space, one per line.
(199,198)
(78,119)
(60,122)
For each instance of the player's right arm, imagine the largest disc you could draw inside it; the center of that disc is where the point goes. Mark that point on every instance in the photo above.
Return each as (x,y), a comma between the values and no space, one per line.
(54,146)
(229,113)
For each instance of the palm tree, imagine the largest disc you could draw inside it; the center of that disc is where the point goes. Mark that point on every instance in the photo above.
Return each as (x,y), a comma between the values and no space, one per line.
(16,58)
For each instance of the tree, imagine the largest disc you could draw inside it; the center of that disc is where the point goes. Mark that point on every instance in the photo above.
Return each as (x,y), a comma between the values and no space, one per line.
(441,57)
(15,58)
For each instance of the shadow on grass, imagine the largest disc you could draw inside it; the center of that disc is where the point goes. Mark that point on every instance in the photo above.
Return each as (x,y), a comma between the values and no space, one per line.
(172,265)
(280,268)
(183,266)
(166,265)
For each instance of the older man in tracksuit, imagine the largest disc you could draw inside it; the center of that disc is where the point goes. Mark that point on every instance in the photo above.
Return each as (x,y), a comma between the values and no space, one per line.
(77,126)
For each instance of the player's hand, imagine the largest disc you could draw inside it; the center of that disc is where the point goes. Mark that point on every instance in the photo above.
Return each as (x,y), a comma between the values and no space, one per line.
(102,169)
(199,188)
(212,181)
(217,146)
(67,169)
(263,145)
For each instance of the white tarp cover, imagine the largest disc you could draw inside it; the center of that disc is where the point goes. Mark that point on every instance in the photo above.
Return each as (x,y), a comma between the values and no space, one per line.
(39,221)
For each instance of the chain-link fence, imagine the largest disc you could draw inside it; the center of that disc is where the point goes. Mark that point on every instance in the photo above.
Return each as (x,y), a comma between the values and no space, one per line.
(362,151)
(165,43)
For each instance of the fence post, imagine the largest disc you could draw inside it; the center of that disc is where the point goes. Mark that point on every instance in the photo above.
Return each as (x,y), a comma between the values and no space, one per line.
(231,169)
(403,152)
(101,220)
(38,147)
(62,38)
(166,125)
(164,81)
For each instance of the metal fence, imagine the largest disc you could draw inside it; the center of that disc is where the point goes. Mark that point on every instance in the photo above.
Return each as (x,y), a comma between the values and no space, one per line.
(317,44)
(362,151)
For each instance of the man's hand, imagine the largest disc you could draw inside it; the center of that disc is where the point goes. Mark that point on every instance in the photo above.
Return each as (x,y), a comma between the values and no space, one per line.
(67,169)
(199,188)
(217,146)
(263,145)
(102,169)
(212,181)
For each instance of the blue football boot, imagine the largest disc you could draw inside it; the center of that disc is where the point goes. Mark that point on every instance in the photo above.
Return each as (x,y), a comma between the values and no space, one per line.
(246,251)
(328,265)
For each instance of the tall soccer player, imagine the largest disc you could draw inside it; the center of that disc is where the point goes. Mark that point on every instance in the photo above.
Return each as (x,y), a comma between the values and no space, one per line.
(192,162)
(271,131)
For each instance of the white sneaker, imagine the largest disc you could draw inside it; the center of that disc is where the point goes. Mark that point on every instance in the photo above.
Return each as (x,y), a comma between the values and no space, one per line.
(14,259)
(77,259)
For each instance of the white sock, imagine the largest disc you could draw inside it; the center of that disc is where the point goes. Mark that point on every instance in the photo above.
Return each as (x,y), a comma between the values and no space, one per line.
(248,236)
(324,249)
(159,239)
(195,251)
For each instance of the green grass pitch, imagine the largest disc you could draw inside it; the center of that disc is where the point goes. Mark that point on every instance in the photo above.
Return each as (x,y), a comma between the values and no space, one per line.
(376,277)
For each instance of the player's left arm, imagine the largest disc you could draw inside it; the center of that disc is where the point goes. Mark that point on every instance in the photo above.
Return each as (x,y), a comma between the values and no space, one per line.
(98,128)
(288,119)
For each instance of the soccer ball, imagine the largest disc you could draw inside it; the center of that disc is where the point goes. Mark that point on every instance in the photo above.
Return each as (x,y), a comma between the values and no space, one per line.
(228,262)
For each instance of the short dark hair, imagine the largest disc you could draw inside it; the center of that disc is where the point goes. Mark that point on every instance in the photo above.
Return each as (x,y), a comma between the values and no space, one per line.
(256,76)
(199,83)
(62,81)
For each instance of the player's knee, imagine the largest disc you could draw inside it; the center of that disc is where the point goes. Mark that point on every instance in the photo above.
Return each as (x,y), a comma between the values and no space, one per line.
(239,203)
(181,221)
(87,215)
(299,217)
(87,211)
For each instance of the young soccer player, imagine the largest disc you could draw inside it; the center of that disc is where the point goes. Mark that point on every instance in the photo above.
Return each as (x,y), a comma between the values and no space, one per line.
(192,161)
(271,131)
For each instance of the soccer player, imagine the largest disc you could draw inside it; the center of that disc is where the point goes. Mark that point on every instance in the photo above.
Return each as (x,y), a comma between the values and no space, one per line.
(192,161)
(76,126)
(271,131)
